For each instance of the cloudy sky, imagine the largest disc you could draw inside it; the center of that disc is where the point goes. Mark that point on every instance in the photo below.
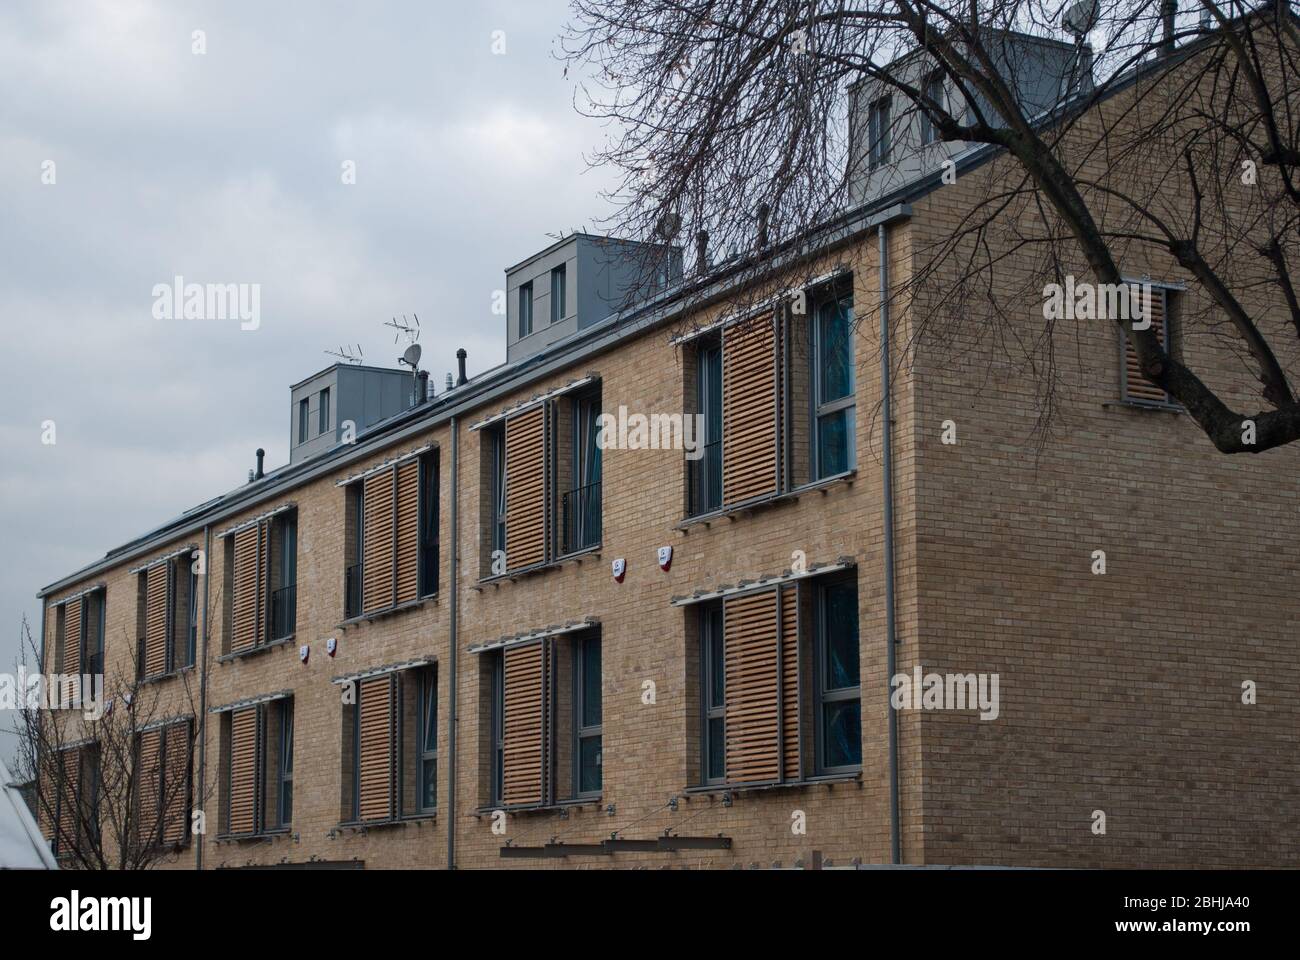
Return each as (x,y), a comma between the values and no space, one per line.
(227,167)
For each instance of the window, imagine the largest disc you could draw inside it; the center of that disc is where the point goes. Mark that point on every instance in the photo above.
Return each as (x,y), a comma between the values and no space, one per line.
(587,716)
(167,613)
(558,303)
(839,704)
(163,763)
(391,555)
(284,576)
(260,582)
(257,748)
(323,425)
(1135,388)
(833,368)
(391,759)
(302,420)
(540,482)
(580,507)
(79,634)
(878,133)
(934,92)
(543,716)
(525,309)
(776,395)
(69,806)
(759,724)
(704,490)
(92,660)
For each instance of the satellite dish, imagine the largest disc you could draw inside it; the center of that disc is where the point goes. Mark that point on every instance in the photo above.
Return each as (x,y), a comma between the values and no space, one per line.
(1079,19)
(668,226)
(412,355)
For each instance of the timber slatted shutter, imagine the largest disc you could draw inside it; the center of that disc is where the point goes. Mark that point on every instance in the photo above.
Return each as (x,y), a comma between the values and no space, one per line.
(749,410)
(248,603)
(524,719)
(149,780)
(157,583)
(175,781)
(243,769)
(68,792)
(1136,385)
(761,639)
(526,488)
(406,540)
(72,636)
(377,542)
(375,749)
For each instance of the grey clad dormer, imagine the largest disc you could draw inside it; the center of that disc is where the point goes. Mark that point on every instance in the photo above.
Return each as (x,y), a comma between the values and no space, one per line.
(321,405)
(579,281)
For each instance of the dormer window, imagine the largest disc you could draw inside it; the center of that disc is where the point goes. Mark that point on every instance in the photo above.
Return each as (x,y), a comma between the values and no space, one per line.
(933,92)
(878,139)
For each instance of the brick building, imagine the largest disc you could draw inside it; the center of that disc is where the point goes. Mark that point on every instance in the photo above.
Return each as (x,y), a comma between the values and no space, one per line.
(502,667)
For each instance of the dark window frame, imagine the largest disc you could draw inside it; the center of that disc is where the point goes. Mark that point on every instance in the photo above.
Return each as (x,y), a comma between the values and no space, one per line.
(934,90)
(822,694)
(303,414)
(581,730)
(581,520)
(284,773)
(559,292)
(323,412)
(705,474)
(879,132)
(847,404)
(525,294)
(426,752)
(497,724)
(712,641)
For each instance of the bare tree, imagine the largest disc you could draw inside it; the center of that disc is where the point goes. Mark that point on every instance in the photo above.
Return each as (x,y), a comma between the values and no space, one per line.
(111,767)
(740,120)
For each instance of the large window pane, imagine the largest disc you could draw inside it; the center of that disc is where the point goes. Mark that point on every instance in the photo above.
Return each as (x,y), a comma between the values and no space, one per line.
(840,609)
(589,778)
(834,439)
(835,356)
(591,709)
(717,756)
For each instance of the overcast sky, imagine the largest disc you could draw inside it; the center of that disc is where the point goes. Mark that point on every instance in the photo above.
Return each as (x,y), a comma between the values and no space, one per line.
(226,167)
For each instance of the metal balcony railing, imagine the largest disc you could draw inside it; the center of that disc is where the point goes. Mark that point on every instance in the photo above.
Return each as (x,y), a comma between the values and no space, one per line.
(284,612)
(704,481)
(580,518)
(352,592)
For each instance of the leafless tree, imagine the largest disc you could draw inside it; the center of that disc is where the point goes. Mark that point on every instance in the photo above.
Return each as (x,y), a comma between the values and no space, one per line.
(104,798)
(736,119)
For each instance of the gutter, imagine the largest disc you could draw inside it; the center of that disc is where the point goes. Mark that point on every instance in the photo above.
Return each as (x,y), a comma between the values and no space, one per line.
(887,476)
(451,658)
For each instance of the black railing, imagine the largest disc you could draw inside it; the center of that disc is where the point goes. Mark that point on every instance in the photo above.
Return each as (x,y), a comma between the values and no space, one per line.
(704,481)
(428,569)
(352,592)
(284,611)
(580,518)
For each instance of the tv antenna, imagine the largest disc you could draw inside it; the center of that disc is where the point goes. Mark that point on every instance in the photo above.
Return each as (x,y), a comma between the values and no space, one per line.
(404,327)
(347,355)
(1079,19)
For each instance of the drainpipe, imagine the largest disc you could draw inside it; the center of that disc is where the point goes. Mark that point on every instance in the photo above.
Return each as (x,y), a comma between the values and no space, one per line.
(451,659)
(887,470)
(203,689)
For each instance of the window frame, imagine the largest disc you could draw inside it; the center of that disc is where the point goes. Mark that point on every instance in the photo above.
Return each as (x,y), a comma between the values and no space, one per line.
(823,695)
(822,410)
(559,292)
(525,308)
(323,412)
(929,134)
(427,708)
(879,145)
(582,732)
(284,765)
(304,413)
(712,634)
(708,404)
(498,492)
(585,410)
(429,522)
(496,789)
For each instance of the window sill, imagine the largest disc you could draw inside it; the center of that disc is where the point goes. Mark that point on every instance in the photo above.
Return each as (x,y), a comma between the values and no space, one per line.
(361,826)
(1146,405)
(723,789)
(559,805)
(431,598)
(512,575)
(769,500)
(160,677)
(266,836)
(255,650)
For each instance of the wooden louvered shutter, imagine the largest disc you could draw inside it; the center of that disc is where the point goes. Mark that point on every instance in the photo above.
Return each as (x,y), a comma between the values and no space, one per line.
(408,531)
(69,791)
(175,784)
(524,717)
(72,636)
(375,749)
(1136,385)
(149,784)
(751,625)
(377,543)
(247,603)
(243,770)
(155,624)
(790,704)
(526,488)
(749,410)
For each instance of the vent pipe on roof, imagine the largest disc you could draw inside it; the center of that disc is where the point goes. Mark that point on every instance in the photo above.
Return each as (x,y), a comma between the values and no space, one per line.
(763,211)
(702,252)
(449,383)
(421,387)
(460,362)
(261,454)
(1168,10)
